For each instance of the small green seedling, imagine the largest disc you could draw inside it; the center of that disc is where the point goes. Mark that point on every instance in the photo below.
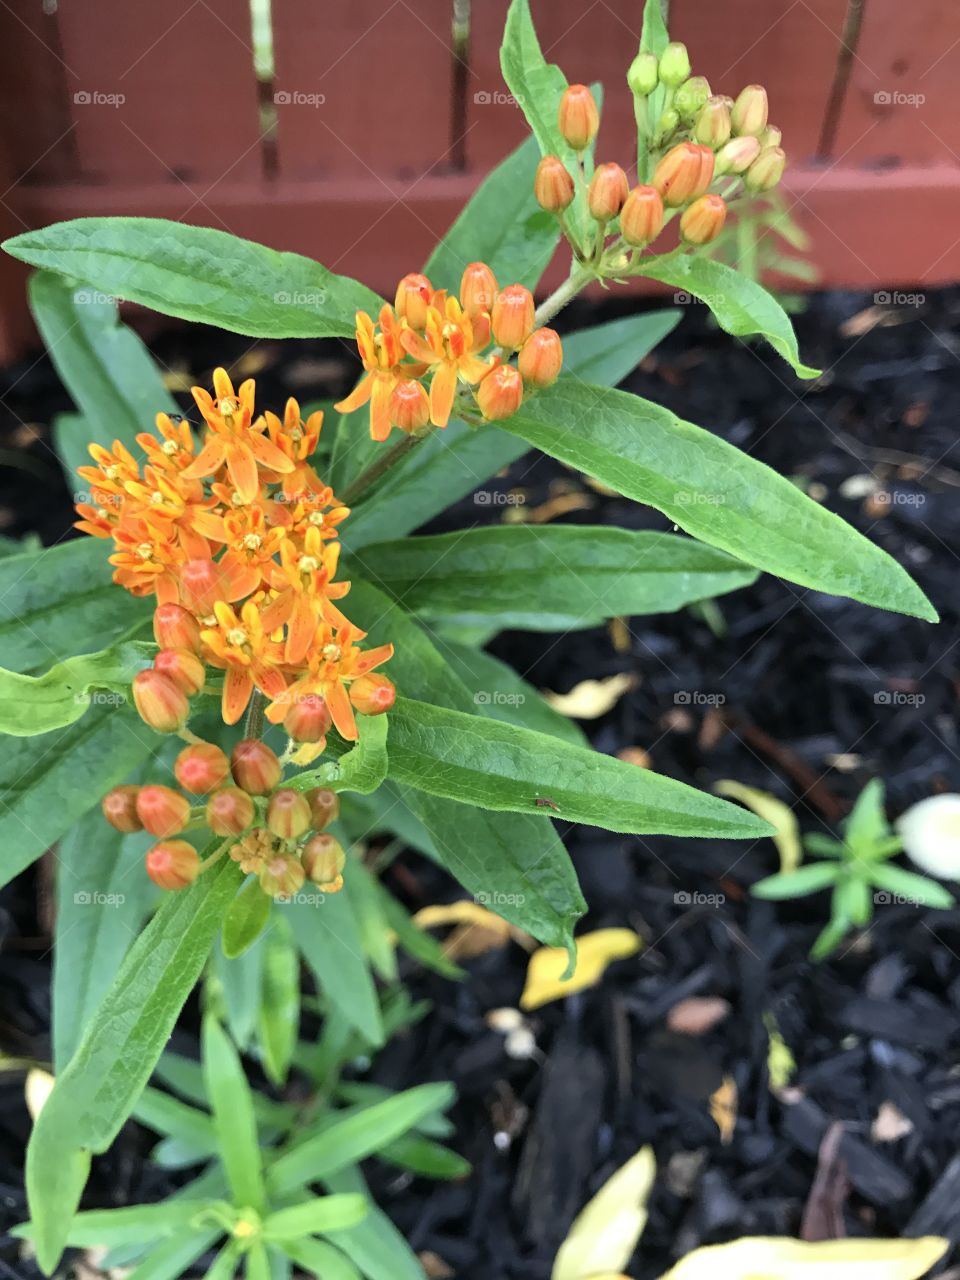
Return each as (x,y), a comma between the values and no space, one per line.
(858,872)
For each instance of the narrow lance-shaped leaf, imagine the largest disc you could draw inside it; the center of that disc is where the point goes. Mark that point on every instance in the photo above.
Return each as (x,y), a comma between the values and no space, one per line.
(31,705)
(199,273)
(233,1118)
(714,491)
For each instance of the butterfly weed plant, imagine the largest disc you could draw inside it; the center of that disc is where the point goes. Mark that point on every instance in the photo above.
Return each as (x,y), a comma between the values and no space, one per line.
(256,663)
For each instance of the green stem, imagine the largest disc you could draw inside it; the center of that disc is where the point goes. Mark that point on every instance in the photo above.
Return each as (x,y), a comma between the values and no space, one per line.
(576,281)
(384,461)
(253,728)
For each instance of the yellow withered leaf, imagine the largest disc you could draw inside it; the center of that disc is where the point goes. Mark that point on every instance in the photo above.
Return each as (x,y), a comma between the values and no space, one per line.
(723,1108)
(780,1258)
(37,1089)
(594,952)
(592,698)
(778,814)
(605,1233)
(477,929)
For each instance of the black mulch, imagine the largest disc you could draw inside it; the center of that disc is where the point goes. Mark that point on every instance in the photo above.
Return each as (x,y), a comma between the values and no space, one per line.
(791,691)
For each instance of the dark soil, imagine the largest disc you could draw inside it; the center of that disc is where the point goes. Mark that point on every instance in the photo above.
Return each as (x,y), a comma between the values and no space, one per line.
(798,693)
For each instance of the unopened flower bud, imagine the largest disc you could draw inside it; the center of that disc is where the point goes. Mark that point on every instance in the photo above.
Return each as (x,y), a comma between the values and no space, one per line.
(159,702)
(737,155)
(552,185)
(255,767)
(229,811)
(668,122)
(288,814)
(541,357)
(703,220)
(641,218)
(578,118)
(308,719)
(713,124)
(324,807)
(771,136)
(162,811)
(643,75)
(512,316)
(766,171)
(183,667)
(674,64)
(500,394)
(413,297)
(323,859)
(373,694)
(120,808)
(691,96)
(281,876)
(478,289)
(607,191)
(749,113)
(173,864)
(409,406)
(684,173)
(175,628)
(201,768)
(200,586)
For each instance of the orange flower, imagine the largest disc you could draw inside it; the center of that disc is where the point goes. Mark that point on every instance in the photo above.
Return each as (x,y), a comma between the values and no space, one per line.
(239,645)
(381,352)
(449,346)
(306,589)
(297,440)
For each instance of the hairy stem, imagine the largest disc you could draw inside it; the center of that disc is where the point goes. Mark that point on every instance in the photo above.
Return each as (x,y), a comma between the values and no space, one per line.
(253,728)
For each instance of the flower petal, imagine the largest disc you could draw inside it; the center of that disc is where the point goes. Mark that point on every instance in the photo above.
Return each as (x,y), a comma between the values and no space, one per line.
(443,388)
(237,688)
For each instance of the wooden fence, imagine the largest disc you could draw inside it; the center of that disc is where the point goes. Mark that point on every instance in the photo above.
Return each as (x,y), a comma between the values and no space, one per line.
(362,141)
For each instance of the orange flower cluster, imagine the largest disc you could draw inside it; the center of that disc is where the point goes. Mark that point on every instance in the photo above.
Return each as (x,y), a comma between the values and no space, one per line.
(238,542)
(459,343)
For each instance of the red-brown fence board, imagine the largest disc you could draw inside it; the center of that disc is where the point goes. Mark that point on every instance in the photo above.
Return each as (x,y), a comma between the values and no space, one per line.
(35,121)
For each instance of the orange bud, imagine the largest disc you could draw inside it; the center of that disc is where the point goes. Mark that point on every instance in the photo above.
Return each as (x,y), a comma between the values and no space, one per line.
(684,173)
(737,155)
(229,811)
(500,394)
(552,185)
(255,767)
(607,192)
(373,694)
(120,808)
(183,667)
(175,628)
(703,221)
(288,814)
(323,859)
(713,125)
(162,811)
(282,876)
(173,864)
(541,357)
(771,136)
(478,288)
(767,170)
(749,114)
(578,118)
(512,316)
(200,586)
(324,807)
(308,719)
(409,406)
(201,768)
(160,703)
(641,218)
(413,297)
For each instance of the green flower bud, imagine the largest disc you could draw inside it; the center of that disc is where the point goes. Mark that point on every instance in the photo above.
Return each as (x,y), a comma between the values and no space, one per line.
(713,123)
(766,171)
(644,74)
(669,121)
(674,65)
(691,96)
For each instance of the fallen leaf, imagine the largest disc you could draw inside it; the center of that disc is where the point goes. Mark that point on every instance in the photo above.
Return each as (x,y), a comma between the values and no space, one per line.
(561,505)
(435,1267)
(604,1234)
(594,952)
(619,634)
(696,1015)
(478,930)
(890,1124)
(781,1258)
(592,698)
(723,1108)
(37,1089)
(635,755)
(780,1061)
(775,812)
(179,379)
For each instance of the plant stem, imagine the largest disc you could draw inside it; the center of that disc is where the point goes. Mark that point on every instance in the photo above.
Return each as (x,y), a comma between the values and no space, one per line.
(253,728)
(383,462)
(576,281)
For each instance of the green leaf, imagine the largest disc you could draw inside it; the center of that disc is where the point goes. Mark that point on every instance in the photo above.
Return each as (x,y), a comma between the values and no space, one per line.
(376,1246)
(501,766)
(325,927)
(360,886)
(123,1040)
(60,601)
(362,768)
(321,1259)
(741,306)
(425,1158)
(245,920)
(174,1257)
(866,826)
(551,578)
(238,983)
(605,353)
(501,225)
(713,491)
(414,940)
(795,884)
(907,884)
(176,1119)
(199,273)
(45,783)
(854,900)
(233,1118)
(536,84)
(279,1017)
(343,1142)
(316,1217)
(32,705)
(654,37)
(102,896)
(137,1224)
